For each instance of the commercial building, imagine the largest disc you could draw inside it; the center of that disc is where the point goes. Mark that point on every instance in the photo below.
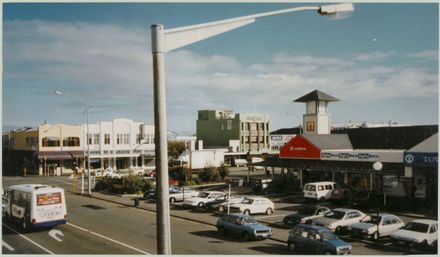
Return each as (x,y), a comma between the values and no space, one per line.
(347,155)
(238,132)
(60,149)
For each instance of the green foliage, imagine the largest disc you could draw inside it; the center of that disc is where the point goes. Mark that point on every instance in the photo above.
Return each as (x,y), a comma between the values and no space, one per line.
(130,184)
(224,171)
(180,174)
(208,174)
(175,148)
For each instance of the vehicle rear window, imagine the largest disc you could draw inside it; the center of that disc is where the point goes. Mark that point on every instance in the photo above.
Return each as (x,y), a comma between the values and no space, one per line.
(48,198)
(418,227)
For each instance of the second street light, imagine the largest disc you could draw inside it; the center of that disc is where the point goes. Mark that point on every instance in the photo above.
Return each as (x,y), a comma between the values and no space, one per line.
(164,40)
(86,114)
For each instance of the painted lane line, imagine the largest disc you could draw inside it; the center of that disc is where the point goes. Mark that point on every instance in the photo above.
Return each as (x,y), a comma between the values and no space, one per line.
(10,248)
(107,238)
(28,239)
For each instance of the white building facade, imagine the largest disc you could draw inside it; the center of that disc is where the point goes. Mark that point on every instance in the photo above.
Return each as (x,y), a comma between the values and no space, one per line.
(120,144)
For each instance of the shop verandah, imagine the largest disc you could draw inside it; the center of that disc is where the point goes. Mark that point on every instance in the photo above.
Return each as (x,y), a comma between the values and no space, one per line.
(394,190)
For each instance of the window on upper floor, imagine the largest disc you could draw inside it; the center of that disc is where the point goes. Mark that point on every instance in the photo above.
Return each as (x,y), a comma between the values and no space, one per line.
(71,141)
(106,139)
(31,141)
(51,142)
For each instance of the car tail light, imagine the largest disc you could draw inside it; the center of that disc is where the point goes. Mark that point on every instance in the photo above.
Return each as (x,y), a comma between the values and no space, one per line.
(33,221)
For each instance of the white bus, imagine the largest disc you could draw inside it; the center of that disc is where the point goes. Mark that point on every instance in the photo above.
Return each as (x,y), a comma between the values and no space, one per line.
(36,205)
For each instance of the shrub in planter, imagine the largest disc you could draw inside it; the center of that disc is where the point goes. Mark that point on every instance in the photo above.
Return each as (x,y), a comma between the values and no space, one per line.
(223,171)
(208,174)
(132,184)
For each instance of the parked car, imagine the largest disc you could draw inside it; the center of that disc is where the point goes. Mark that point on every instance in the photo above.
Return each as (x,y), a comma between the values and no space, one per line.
(339,218)
(221,203)
(305,215)
(175,193)
(243,226)
(178,194)
(202,198)
(319,191)
(419,233)
(252,205)
(316,239)
(367,227)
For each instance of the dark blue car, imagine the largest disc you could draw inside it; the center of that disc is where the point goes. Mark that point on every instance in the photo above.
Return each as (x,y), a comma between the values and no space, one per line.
(317,239)
(243,226)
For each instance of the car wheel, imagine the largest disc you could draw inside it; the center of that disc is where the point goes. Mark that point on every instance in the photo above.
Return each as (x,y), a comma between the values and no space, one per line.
(246,236)
(221,230)
(269,211)
(322,199)
(338,230)
(291,246)
(221,208)
(172,200)
(200,205)
(308,222)
(247,212)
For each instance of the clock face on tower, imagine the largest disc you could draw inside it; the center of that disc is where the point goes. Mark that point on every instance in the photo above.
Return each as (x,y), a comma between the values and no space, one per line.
(310,126)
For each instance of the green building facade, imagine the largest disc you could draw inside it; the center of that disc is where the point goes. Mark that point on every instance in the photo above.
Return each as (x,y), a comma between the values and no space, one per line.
(248,131)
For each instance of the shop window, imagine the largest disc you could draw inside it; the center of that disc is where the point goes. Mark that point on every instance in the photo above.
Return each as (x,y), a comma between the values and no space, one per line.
(51,142)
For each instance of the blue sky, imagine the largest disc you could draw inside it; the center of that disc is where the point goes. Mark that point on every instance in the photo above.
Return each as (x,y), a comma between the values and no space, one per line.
(381,62)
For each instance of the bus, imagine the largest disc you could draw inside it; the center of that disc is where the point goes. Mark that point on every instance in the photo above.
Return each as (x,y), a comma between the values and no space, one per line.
(35,206)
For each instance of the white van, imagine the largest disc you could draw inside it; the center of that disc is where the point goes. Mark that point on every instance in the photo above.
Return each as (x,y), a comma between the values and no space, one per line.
(257,160)
(36,205)
(240,162)
(319,190)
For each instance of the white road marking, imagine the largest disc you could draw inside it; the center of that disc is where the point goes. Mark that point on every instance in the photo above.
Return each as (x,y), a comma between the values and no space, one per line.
(108,238)
(28,239)
(54,233)
(10,248)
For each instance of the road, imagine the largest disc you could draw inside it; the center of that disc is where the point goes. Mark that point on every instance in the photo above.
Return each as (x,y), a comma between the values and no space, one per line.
(102,227)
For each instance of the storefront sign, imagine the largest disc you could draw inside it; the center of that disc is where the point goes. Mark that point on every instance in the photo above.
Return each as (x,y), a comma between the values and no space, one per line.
(277,141)
(359,155)
(299,148)
(421,159)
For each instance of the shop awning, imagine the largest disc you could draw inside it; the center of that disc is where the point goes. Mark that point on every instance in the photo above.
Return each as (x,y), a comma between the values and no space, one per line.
(60,155)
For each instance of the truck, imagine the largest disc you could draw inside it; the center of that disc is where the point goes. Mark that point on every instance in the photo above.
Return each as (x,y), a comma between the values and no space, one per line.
(199,159)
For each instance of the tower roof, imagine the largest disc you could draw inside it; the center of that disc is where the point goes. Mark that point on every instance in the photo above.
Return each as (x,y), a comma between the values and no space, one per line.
(316,96)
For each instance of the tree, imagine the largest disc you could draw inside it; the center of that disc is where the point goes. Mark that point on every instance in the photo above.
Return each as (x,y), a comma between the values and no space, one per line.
(175,148)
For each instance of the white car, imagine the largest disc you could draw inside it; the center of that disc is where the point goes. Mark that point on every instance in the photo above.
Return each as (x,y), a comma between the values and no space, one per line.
(339,218)
(202,198)
(252,205)
(417,233)
(367,227)
(181,193)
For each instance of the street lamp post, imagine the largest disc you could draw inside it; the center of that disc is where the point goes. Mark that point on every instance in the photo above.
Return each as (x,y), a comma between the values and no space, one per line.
(164,40)
(86,114)
(377,166)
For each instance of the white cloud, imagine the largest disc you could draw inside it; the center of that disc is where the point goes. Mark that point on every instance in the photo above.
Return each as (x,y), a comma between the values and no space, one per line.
(114,64)
(374,56)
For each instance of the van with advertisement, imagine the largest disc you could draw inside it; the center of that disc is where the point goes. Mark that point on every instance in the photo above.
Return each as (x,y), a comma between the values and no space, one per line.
(319,191)
(35,206)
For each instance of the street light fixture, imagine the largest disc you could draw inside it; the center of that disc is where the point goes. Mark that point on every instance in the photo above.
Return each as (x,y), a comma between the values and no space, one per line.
(164,40)
(86,114)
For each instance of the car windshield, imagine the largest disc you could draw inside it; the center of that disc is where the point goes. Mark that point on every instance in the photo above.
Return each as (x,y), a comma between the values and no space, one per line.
(335,215)
(248,220)
(307,211)
(203,195)
(248,201)
(418,227)
(371,219)
(327,235)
